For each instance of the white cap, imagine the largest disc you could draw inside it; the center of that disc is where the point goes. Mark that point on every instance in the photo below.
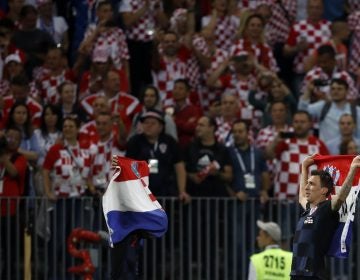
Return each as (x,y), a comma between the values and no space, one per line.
(271,229)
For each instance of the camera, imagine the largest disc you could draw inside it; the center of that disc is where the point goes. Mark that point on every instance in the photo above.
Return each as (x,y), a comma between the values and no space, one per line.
(3,144)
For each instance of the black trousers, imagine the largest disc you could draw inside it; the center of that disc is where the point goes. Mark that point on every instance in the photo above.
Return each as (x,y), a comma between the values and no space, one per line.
(125,259)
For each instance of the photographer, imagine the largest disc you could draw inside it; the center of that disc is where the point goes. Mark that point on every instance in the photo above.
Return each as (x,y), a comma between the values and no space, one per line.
(12,184)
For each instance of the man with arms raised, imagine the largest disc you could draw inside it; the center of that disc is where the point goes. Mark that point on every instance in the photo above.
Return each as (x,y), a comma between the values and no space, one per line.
(317,225)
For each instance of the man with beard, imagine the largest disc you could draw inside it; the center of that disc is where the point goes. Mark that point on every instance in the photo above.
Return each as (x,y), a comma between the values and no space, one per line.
(169,64)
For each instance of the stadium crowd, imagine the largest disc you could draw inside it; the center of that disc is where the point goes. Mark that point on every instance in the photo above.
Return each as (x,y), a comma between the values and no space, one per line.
(221,97)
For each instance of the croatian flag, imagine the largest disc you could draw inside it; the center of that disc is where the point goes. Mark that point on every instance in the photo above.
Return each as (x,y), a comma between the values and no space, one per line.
(338,167)
(129,205)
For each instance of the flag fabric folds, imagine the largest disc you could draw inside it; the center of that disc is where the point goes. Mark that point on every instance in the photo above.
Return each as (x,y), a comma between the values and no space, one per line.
(338,167)
(129,205)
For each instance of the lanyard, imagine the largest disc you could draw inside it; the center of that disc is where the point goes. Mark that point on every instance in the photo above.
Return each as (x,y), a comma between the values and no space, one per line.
(252,160)
(73,156)
(153,150)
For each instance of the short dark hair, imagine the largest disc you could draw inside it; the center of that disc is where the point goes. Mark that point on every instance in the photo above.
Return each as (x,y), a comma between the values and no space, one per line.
(184,82)
(326,181)
(340,82)
(245,122)
(303,112)
(326,49)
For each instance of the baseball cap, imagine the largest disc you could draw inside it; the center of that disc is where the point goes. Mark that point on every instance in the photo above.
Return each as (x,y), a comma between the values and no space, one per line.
(153,114)
(14,57)
(270,228)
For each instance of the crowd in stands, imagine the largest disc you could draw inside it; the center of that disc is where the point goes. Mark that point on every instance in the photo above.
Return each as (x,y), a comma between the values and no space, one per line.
(221,97)
(205,90)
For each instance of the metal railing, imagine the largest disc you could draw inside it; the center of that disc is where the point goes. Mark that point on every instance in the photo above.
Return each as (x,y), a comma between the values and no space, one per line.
(209,238)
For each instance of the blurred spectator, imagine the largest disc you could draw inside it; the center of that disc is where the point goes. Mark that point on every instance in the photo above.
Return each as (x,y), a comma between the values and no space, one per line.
(46,136)
(169,64)
(91,81)
(354,56)
(19,116)
(56,26)
(278,112)
(107,36)
(184,113)
(66,178)
(349,147)
(14,66)
(277,92)
(239,80)
(19,89)
(214,110)
(120,103)
(278,17)
(209,58)
(252,41)
(305,37)
(141,19)
(57,73)
(328,112)
(325,70)
(222,23)
(13,181)
(229,113)
(347,128)
(150,99)
(15,7)
(251,177)
(68,102)
(107,144)
(290,152)
(340,33)
(208,163)
(49,131)
(167,171)
(34,42)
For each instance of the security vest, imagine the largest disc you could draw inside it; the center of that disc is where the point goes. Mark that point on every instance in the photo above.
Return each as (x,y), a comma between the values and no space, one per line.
(272,264)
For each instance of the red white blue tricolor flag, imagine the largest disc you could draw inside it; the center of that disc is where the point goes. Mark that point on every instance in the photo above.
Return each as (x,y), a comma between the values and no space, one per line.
(338,167)
(129,205)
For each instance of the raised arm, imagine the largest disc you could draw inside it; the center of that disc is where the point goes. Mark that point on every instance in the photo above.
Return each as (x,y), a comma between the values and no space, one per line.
(340,198)
(304,178)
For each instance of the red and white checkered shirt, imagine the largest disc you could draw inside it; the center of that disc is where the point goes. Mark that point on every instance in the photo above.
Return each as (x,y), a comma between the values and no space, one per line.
(278,28)
(315,34)
(318,73)
(34,107)
(223,131)
(354,25)
(206,94)
(69,166)
(242,88)
(144,28)
(122,103)
(168,73)
(354,5)
(101,154)
(114,41)
(262,52)
(290,153)
(225,30)
(265,136)
(49,84)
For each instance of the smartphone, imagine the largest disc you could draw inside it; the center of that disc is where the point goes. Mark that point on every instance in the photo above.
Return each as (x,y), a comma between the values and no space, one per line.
(287,134)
